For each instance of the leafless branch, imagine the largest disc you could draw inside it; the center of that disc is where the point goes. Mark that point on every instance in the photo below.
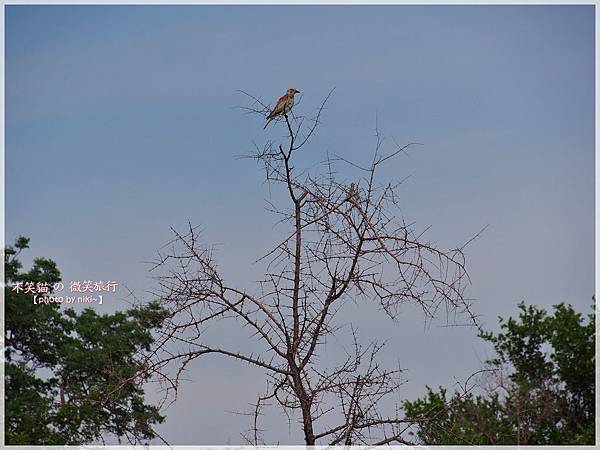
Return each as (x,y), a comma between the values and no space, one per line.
(346,241)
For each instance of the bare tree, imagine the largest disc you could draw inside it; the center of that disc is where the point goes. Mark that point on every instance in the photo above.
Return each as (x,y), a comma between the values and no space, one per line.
(346,241)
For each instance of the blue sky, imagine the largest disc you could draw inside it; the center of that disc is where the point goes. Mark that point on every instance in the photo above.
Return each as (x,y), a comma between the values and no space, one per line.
(122,122)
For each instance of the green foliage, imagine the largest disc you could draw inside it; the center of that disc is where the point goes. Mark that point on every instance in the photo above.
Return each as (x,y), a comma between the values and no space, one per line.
(462,420)
(540,387)
(70,377)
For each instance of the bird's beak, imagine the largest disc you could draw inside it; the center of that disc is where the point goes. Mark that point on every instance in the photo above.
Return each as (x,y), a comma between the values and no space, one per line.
(297,91)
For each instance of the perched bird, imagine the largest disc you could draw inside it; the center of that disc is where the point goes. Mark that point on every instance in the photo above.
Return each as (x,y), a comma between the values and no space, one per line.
(283,106)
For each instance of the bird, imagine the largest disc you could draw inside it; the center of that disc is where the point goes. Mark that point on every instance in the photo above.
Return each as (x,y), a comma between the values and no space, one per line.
(283,106)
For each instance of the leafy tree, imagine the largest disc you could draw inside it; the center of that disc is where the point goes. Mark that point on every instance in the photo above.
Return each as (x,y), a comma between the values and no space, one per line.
(538,390)
(65,371)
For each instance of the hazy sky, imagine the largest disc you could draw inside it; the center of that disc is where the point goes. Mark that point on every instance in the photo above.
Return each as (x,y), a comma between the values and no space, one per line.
(121,122)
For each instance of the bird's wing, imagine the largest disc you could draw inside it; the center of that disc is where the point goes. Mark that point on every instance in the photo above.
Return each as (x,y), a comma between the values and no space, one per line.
(281,101)
(279,106)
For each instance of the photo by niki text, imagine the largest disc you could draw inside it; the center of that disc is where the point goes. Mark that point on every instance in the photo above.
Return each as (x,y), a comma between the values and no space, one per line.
(87,291)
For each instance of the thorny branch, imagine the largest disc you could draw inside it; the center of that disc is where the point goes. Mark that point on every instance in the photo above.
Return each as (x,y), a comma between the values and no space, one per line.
(346,241)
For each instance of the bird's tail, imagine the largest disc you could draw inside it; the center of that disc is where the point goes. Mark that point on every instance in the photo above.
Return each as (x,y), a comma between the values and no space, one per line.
(268,122)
